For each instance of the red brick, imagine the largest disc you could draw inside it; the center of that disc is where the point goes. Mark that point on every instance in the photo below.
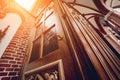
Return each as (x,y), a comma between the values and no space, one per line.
(6,57)
(14,65)
(2,69)
(19,53)
(17,59)
(21,48)
(7,49)
(15,46)
(15,78)
(13,62)
(7,54)
(11,50)
(5,78)
(20,66)
(9,69)
(19,62)
(18,73)
(15,55)
(23,51)
(17,69)
(21,56)
(4,65)
(12,73)
(12,43)
(3,61)
(3,73)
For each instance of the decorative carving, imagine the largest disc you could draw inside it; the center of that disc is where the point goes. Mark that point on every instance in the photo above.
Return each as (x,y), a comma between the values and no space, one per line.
(51,71)
(46,76)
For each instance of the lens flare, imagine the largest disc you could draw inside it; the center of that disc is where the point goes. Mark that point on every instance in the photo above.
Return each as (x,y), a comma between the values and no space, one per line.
(27,4)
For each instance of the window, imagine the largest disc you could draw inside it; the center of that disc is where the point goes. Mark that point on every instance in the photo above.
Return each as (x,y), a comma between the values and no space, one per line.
(36,49)
(46,37)
(50,41)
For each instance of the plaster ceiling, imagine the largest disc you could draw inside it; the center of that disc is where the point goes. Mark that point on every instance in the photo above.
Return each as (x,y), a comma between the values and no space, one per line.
(113,3)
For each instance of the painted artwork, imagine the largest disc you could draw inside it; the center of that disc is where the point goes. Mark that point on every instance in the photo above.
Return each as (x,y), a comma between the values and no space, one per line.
(51,71)
(35,54)
(50,41)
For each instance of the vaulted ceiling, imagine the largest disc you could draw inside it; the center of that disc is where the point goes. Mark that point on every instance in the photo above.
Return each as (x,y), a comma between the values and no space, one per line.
(89,3)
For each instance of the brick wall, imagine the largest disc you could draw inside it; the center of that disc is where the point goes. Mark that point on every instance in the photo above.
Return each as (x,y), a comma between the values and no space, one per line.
(11,61)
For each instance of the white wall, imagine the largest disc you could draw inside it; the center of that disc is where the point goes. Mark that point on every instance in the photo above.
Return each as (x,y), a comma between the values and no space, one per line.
(14,21)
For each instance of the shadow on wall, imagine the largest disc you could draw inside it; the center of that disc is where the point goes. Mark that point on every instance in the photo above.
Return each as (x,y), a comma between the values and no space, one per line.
(13,21)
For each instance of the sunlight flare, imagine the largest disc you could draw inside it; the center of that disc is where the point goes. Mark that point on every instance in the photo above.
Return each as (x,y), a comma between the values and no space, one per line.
(27,4)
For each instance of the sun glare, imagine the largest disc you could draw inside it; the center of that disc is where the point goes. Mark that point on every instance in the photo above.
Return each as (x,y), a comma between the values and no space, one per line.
(27,4)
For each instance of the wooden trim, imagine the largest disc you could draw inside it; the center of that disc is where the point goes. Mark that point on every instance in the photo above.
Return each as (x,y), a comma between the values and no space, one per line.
(100,4)
(49,29)
(49,15)
(78,4)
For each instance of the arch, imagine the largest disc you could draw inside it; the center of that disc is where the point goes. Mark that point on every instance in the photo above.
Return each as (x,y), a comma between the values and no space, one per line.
(13,24)
(100,4)
(16,12)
